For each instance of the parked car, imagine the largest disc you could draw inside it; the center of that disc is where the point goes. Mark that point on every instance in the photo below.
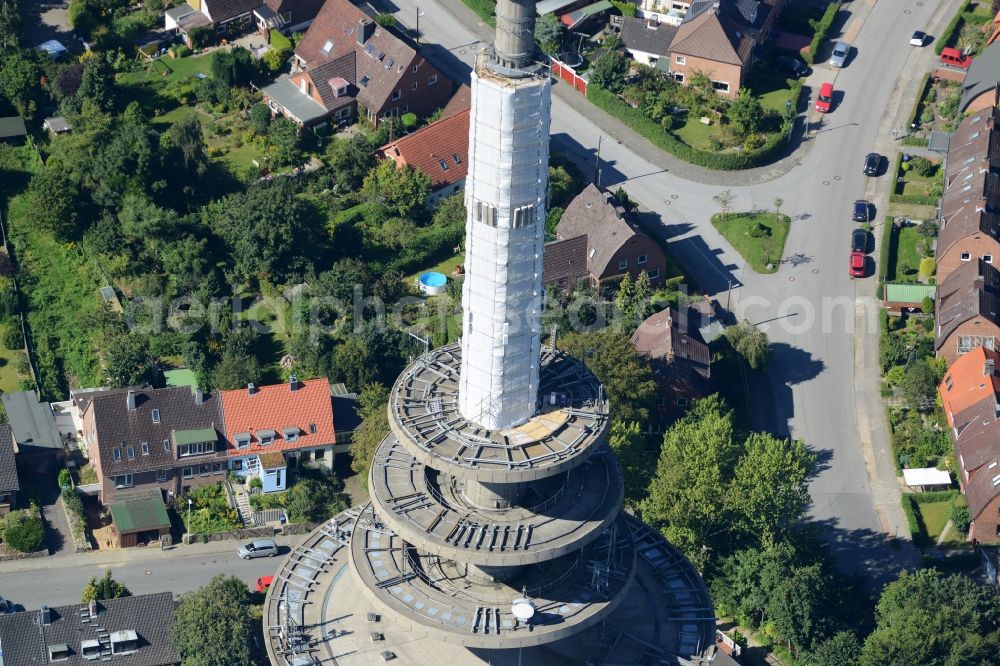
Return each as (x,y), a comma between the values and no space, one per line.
(824,101)
(872,163)
(258,548)
(919,38)
(264,582)
(840,52)
(792,66)
(859,241)
(955,58)
(861,210)
(6,606)
(857,264)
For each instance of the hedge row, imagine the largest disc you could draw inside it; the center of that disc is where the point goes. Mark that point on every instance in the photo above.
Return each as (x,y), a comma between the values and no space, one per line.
(916,141)
(949,32)
(911,520)
(921,93)
(822,28)
(914,199)
(883,252)
(654,132)
(935,496)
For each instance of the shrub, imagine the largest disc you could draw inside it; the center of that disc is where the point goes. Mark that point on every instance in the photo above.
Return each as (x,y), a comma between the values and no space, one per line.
(13,338)
(274,59)
(927,304)
(65,478)
(23,532)
(927,266)
(822,27)
(181,51)
(960,516)
(255,482)
(201,36)
(950,31)
(278,41)
(73,502)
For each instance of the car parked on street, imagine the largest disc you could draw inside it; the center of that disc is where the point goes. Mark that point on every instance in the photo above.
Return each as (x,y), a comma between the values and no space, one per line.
(264,582)
(861,211)
(792,66)
(6,606)
(857,264)
(872,163)
(859,241)
(258,548)
(919,38)
(840,52)
(824,101)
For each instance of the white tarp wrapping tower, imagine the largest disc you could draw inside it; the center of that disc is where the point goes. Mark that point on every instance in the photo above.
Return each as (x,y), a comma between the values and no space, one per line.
(505,196)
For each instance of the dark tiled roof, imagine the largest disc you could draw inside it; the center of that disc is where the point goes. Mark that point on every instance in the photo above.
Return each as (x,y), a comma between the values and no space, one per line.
(119,427)
(982,75)
(970,205)
(302,10)
(446,140)
(8,468)
(596,215)
(971,290)
(25,639)
(460,101)
(339,68)
(974,143)
(646,35)
(345,412)
(32,421)
(716,30)
(660,336)
(223,10)
(565,260)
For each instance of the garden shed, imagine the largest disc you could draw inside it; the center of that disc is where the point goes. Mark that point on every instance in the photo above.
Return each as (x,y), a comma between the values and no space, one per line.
(140,517)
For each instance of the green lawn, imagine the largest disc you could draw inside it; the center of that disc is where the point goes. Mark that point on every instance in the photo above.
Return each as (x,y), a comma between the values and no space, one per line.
(695,134)
(772,89)
(180,113)
(177,71)
(903,251)
(757,251)
(445,267)
(934,516)
(8,373)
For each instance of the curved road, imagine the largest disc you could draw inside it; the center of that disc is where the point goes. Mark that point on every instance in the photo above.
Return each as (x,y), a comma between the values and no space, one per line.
(823,325)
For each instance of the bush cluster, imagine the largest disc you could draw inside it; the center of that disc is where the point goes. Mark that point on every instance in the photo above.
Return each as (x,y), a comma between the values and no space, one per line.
(951,30)
(822,27)
(23,531)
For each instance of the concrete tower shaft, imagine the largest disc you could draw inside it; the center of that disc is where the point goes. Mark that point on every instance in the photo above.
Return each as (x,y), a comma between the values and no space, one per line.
(505,195)
(515,38)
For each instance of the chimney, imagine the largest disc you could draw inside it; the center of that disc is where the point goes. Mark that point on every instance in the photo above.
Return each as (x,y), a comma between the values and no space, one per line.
(293,383)
(92,608)
(130,401)
(989,367)
(46,615)
(366,28)
(251,389)
(199,396)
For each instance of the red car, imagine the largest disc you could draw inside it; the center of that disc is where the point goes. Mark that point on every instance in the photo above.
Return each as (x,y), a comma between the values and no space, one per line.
(857,264)
(824,102)
(264,582)
(955,58)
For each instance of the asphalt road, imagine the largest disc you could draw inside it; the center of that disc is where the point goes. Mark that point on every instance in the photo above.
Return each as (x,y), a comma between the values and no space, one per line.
(821,360)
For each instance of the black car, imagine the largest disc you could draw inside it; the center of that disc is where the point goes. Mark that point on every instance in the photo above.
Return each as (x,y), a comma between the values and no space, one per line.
(861,210)
(859,241)
(872,162)
(792,66)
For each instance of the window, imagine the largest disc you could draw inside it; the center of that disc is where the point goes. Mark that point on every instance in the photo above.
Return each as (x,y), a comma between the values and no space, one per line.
(655,273)
(432,79)
(320,454)
(443,164)
(116,454)
(458,160)
(485,213)
(166,445)
(678,77)
(343,113)
(291,434)
(205,470)
(130,452)
(312,428)
(720,86)
(327,47)
(680,60)
(156,416)
(217,468)
(266,437)
(523,216)
(197,449)
(237,464)
(242,440)
(965,256)
(59,652)
(123,481)
(416,68)
(145,448)
(623,265)
(406,107)
(682,402)
(396,94)
(643,259)
(414,85)
(364,81)
(967,343)
(161,475)
(988,258)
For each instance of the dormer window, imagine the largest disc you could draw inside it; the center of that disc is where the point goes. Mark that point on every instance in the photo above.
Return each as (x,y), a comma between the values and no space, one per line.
(59,652)
(242,440)
(156,416)
(123,642)
(90,649)
(266,437)
(291,434)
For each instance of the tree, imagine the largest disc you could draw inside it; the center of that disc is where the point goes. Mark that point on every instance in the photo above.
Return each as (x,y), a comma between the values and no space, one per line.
(724,199)
(97,84)
(549,33)
(19,82)
(126,361)
(629,446)
(919,385)
(234,67)
(55,202)
(562,184)
(23,531)
(103,588)
(749,342)
(745,113)
(284,137)
(372,405)
(235,371)
(396,190)
(351,160)
(934,620)
(626,376)
(310,499)
(260,118)
(609,71)
(188,142)
(212,625)
(841,649)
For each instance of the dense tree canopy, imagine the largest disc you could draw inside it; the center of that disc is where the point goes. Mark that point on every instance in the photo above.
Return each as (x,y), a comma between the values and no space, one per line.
(212,625)
(396,190)
(372,405)
(105,587)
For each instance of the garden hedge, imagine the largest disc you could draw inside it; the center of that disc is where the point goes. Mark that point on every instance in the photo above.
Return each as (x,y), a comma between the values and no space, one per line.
(654,132)
(949,32)
(915,199)
(822,26)
(883,253)
(922,92)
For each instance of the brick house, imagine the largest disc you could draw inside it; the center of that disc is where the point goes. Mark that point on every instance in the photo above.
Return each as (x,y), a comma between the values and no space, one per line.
(974,146)
(232,17)
(615,244)
(380,71)
(969,393)
(166,438)
(970,221)
(439,150)
(268,425)
(717,38)
(968,310)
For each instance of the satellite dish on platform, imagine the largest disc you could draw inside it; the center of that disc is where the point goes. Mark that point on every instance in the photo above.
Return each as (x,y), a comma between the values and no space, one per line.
(522,609)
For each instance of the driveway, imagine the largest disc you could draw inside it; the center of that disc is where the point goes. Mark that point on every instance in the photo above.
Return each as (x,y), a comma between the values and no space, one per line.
(822,324)
(58,538)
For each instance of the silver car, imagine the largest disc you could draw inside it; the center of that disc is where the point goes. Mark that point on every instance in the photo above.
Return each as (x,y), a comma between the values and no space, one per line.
(258,548)
(839,55)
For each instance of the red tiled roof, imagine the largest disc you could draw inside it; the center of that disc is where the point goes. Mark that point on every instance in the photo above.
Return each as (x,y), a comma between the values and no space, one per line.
(277,407)
(445,141)
(969,380)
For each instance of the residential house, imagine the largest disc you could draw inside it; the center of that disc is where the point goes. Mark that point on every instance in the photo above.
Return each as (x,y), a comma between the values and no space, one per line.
(314,97)
(10,482)
(232,17)
(979,88)
(974,146)
(564,264)
(680,361)
(615,244)
(139,517)
(293,420)
(718,38)
(646,39)
(670,12)
(970,221)
(131,631)
(968,310)
(37,441)
(387,79)
(439,150)
(969,395)
(166,438)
